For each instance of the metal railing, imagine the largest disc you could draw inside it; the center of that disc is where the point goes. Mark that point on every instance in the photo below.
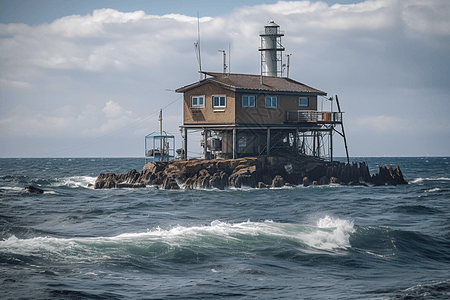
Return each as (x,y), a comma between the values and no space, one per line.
(313,116)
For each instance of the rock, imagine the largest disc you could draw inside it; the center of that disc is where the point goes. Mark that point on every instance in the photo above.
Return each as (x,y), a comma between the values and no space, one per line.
(262,185)
(170,184)
(388,175)
(131,185)
(323,180)
(219,180)
(334,180)
(278,181)
(357,183)
(306,181)
(276,170)
(33,190)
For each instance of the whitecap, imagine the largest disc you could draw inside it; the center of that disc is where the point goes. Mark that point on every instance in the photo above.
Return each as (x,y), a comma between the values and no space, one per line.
(75,181)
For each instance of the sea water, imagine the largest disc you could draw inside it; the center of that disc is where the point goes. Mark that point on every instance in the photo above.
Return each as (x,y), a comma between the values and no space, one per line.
(316,242)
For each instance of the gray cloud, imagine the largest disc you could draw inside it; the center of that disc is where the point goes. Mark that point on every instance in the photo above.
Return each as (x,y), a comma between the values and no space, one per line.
(86,76)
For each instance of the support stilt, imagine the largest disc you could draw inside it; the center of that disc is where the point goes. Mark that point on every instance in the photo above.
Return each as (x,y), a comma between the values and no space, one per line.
(343,132)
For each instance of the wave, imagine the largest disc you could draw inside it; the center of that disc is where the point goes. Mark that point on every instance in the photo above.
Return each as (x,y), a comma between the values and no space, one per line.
(432,290)
(387,242)
(18,183)
(420,179)
(182,243)
(415,209)
(74,181)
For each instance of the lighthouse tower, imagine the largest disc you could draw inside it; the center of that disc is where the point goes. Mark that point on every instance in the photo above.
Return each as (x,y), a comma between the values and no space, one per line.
(271,50)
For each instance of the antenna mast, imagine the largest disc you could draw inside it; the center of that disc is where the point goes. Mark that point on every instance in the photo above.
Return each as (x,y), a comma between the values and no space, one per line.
(224,61)
(197,47)
(288,63)
(229,58)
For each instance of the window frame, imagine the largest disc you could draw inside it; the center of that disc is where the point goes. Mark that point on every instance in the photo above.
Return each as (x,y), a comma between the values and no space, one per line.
(248,103)
(300,104)
(219,96)
(198,105)
(271,101)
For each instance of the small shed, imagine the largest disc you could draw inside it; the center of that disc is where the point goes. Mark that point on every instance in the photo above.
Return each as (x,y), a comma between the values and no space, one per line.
(159,147)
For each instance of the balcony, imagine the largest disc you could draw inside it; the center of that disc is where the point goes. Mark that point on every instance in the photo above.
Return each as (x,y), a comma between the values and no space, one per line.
(312,116)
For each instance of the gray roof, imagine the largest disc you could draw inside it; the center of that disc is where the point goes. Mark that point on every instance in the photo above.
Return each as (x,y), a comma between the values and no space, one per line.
(246,82)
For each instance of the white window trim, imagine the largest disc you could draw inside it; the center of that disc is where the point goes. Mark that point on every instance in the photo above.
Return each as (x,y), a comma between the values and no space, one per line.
(265,102)
(242,100)
(299,104)
(219,106)
(198,105)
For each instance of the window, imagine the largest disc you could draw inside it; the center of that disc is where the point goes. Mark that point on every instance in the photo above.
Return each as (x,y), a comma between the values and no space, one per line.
(303,102)
(219,101)
(248,101)
(198,101)
(272,101)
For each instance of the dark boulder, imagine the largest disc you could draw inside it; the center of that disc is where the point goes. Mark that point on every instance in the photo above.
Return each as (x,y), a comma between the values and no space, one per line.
(33,190)
(278,181)
(170,184)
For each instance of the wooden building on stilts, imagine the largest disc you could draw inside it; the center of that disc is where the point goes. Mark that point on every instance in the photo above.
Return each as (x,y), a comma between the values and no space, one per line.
(244,115)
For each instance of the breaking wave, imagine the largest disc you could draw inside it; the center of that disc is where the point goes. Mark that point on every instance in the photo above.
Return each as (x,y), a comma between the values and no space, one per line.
(243,239)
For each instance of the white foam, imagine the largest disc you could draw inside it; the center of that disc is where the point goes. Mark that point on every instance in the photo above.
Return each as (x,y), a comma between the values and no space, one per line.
(12,188)
(330,233)
(417,180)
(76,181)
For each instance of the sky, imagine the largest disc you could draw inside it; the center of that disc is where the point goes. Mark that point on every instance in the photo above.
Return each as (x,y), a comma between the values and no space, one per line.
(88,78)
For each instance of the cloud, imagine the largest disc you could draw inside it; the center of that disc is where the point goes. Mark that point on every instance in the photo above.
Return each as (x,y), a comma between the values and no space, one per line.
(64,121)
(91,75)
(427,16)
(398,125)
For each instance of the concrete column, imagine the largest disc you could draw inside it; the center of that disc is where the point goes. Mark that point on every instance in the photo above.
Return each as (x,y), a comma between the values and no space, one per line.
(268,141)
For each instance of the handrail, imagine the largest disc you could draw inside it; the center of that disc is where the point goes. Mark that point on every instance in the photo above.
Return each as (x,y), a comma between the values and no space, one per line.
(314,116)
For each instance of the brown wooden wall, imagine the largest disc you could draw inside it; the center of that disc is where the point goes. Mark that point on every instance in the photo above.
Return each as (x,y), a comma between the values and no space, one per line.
(234,112)
(262,115)
(209,115)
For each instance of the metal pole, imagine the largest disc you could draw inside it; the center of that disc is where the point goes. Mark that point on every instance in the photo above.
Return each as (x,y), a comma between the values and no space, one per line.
(288,63)
(343,132)
(160,132)
(234,143)
(204,143)
(185,143)
(318,144)
(314,143)
(331,143)
(268,140)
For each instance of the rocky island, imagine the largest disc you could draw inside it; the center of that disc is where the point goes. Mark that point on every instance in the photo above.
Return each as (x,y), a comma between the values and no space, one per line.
(278,170)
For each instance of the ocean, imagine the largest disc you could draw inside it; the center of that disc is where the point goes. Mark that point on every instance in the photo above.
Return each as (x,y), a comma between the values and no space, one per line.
(315,242)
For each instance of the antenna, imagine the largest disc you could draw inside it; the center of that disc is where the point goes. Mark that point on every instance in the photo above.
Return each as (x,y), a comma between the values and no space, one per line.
(229,58)
(288,63)
(160,119)
(197,47)
(224,61)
